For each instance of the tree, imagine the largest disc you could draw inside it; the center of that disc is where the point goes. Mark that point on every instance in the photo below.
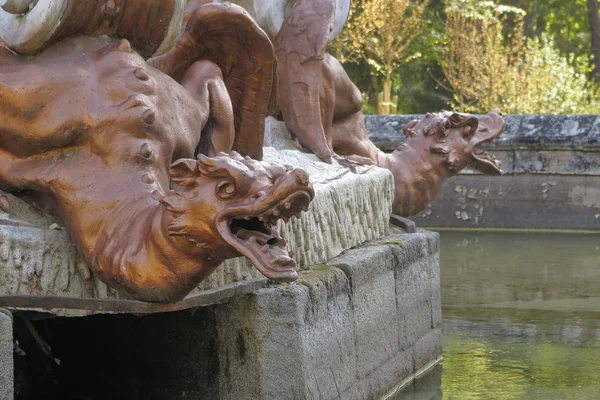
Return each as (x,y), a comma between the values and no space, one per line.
(490,63)
(480,62)
(380,31)
(592,6)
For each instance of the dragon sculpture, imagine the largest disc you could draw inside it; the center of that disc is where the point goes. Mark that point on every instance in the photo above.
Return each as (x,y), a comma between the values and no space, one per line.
(92,132)
(321,107)
(436,148)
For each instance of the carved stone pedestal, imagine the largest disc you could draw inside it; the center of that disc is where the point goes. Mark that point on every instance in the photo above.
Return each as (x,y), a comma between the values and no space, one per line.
(349,329)
(363,316)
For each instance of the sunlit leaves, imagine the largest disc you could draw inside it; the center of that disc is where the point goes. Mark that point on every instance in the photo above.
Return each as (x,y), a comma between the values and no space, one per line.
(380,31)
(490,66)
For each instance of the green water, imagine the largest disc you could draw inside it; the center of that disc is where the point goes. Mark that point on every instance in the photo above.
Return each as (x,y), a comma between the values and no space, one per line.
(521,315)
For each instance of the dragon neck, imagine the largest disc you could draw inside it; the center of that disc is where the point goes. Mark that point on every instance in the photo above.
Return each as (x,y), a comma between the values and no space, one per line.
(134,253)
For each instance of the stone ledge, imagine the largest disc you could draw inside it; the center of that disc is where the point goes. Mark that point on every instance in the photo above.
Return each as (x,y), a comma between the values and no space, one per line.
(527,201)
(520,132)
(341,329)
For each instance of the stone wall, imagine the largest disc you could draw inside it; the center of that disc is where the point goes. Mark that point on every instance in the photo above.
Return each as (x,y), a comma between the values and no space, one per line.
(6,355)
(352,328)
(551,178)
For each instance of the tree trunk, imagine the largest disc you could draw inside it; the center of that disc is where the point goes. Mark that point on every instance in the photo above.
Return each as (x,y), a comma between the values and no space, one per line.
(592,6)
(387,92)
(532,16)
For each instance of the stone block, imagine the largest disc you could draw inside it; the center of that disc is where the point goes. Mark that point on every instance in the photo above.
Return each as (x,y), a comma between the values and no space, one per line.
(6,356)
(328,333)
(335,332)
(427,349)
(417,296)
(259,344)
(528,201)
(379,382)
(370,270)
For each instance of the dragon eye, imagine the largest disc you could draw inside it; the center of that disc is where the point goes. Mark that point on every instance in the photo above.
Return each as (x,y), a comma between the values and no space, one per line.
(225,189)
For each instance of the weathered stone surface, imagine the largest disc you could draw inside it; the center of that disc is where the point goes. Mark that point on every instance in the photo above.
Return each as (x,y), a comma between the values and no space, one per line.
(516,201)
(348,209)
(417,287)
(333,334)
(6,355)
(37,257)
(340,331)
(427,349)
(376,319)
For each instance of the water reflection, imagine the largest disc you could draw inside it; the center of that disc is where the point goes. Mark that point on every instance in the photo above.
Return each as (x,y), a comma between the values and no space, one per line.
(521,317)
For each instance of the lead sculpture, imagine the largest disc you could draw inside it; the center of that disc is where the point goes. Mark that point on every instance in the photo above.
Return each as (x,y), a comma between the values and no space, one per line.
(322,108)
(105,104)
(92,132)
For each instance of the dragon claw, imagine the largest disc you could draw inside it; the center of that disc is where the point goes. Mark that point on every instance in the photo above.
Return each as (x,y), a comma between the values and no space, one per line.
(351,162)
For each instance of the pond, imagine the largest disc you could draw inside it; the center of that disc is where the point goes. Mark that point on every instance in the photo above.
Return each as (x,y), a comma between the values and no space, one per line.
(521,314)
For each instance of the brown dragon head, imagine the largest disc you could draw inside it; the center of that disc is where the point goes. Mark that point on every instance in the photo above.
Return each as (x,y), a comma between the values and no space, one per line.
(229,205)
(437,147)
(456,138)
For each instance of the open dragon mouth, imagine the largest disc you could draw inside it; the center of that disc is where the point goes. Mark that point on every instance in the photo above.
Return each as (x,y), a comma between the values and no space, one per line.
(485,162)
(490,127)
(253,233)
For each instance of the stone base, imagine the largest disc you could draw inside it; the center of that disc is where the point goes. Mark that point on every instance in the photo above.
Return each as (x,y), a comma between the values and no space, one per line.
(6,355)
(351,329)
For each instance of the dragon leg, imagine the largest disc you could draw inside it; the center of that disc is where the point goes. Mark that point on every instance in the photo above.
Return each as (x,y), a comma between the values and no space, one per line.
(204,80)
(225,35)
(303,93)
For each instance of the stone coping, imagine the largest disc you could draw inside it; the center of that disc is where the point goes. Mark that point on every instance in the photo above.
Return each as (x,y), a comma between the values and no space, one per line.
(520,132)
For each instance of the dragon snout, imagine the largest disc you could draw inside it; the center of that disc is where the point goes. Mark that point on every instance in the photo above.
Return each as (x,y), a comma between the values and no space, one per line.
(301,177)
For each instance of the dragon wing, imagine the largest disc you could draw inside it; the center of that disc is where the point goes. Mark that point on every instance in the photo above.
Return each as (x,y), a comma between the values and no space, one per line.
(226,35)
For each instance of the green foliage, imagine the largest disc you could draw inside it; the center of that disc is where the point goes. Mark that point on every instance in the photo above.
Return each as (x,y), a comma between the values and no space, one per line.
(552,84)
(536,59)
(415,80)
(490,63)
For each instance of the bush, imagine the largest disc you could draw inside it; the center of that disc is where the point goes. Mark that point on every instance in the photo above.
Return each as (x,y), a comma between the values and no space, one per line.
(490,63)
